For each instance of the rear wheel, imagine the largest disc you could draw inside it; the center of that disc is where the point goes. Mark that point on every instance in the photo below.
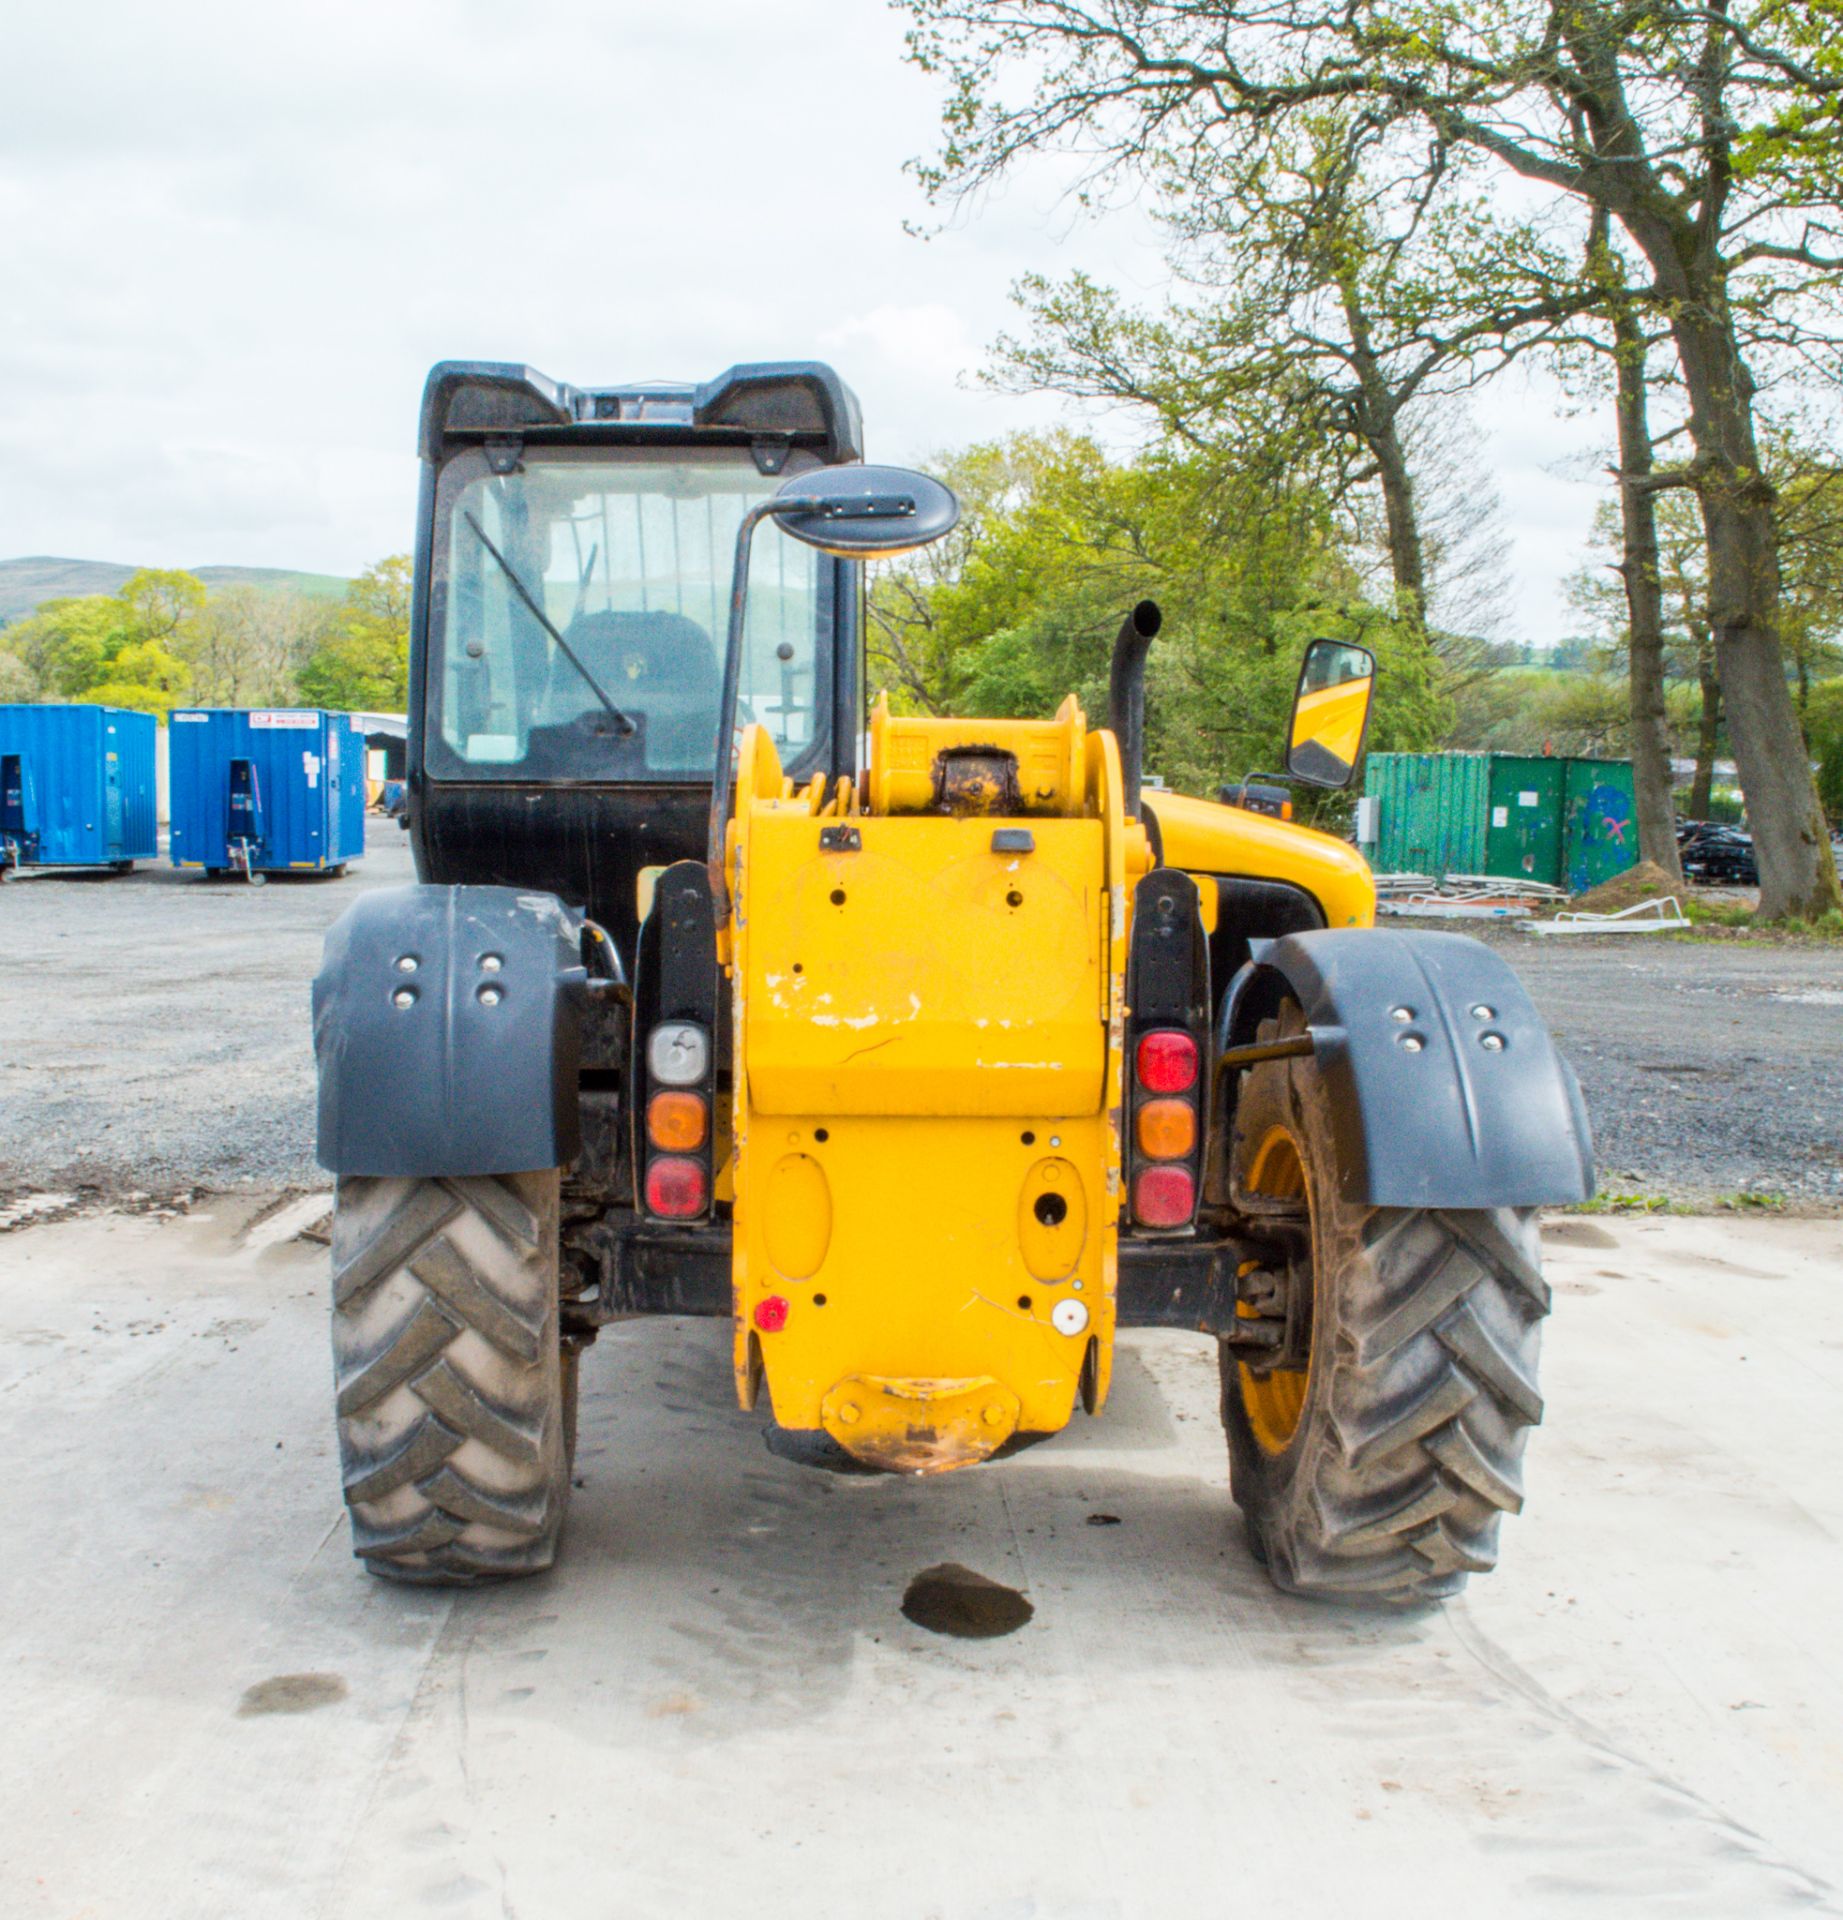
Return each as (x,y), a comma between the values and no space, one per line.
(1380,1469)
(455,1399)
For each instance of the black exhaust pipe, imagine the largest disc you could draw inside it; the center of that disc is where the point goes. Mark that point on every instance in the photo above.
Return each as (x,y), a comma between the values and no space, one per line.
(1126,696)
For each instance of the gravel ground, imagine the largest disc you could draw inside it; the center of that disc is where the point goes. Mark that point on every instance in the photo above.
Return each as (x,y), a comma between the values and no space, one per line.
(1711,1067)
(154,1039)
(154,1027)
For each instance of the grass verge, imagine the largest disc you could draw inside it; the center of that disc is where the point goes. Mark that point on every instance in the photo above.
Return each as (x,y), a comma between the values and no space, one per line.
(1744,1202)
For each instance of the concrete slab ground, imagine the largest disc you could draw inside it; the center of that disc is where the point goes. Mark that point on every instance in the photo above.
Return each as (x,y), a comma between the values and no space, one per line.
(716,1706)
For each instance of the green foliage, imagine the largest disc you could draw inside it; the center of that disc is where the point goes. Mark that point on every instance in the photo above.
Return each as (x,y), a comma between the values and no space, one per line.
(162,603)
(1824,734)
(1058,541)
(363,662)
(1726,807)
(119,649)
(144,676)
(1533,710)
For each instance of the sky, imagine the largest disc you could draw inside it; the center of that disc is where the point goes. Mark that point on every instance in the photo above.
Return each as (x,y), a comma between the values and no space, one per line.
(233,238)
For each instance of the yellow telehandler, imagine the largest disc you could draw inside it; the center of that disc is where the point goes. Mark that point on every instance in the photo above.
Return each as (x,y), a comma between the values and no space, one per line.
(928,1052)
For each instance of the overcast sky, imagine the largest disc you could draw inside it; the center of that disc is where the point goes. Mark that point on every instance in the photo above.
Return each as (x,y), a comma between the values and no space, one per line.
(233,237)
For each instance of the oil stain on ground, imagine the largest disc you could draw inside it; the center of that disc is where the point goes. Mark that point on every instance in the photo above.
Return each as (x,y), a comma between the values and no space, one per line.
(955,1600)
(291,1693)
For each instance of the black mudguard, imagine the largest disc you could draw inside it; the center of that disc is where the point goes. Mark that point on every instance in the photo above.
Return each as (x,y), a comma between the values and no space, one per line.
(453,1080)
(1483,1112)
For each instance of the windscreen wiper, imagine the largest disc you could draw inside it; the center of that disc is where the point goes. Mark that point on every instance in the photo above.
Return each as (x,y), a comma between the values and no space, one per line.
(621,720)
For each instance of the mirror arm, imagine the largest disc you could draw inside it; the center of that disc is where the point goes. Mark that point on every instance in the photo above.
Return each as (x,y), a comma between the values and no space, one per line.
(722,784)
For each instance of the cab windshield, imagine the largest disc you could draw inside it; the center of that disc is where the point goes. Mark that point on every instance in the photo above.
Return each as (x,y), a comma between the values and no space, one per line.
(629,556)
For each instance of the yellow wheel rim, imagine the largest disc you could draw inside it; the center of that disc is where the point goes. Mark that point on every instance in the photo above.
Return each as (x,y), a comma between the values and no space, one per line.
(1275,1402)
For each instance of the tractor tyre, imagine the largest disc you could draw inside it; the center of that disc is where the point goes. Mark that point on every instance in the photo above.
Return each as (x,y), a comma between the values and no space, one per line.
(456,1399)
(1379,1473)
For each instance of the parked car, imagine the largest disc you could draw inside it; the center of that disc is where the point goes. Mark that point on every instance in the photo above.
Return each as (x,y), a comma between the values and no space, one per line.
(1717,854)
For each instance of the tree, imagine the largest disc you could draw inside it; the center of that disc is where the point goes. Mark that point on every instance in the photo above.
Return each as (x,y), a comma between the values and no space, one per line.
(1709,133)
(1649,732)
(363,662)
(63,645)
(122,649)
(1808,494)
(162,604)
(1683,576)
(143,675)
(1339,304)
(1058,539)
(250,643)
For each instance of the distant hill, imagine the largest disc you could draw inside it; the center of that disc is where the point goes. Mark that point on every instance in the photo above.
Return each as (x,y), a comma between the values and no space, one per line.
(26,582)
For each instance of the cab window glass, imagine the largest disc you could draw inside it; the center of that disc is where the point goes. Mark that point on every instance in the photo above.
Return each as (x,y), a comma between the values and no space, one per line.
(629,557)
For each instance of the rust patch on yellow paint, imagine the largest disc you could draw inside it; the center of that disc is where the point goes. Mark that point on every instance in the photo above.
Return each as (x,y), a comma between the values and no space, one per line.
(920,1426)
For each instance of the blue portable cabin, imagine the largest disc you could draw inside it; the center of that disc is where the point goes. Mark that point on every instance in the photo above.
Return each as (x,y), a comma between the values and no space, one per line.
(76,786)
(266,789)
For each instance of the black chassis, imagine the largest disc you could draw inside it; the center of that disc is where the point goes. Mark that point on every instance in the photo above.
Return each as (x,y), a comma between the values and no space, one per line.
(1464,1104)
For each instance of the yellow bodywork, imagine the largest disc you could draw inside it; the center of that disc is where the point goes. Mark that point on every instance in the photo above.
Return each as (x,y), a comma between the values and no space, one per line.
(928,1057)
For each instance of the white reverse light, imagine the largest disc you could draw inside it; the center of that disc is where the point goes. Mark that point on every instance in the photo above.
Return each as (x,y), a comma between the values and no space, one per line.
(678,1054)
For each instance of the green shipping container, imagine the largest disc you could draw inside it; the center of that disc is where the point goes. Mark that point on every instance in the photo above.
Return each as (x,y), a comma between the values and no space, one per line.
(1523,837)
(1554,822)
(1600,838)
(1432,812)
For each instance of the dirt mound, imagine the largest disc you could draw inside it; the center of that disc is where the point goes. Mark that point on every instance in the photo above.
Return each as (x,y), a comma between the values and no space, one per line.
(1646,881)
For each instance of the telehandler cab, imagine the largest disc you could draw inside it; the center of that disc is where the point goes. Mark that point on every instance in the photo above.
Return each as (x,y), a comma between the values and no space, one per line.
(924,1051)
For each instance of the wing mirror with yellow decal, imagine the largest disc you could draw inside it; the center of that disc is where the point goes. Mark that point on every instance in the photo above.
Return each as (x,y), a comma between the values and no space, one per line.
(1330,713)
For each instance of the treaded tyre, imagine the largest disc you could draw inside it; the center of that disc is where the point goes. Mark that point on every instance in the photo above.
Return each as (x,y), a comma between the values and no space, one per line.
(1380,1473)
(454,1399)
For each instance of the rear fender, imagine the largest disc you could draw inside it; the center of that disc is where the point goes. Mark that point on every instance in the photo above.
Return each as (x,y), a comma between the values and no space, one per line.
(1445,1087)
(475,1071)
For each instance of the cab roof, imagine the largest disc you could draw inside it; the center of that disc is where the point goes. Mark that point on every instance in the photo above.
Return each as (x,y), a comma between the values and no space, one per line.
(771,405)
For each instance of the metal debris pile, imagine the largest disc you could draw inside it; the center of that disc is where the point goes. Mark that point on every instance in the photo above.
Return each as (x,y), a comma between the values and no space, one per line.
(1463,896)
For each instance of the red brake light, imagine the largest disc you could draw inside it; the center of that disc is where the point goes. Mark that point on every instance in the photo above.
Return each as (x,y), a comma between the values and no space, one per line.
(1167,1062)
(1164,1197)
(675,1188)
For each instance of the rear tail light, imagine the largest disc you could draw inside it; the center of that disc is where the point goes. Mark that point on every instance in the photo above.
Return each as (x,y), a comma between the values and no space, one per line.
(1167,1129)
(1164,1197)
(1168,1080)
(678,1122)
(676,1188)
(1166,1062)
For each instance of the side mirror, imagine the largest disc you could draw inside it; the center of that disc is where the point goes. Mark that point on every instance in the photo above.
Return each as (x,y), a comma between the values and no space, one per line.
(855,513)
(1330,713)
(860,512)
